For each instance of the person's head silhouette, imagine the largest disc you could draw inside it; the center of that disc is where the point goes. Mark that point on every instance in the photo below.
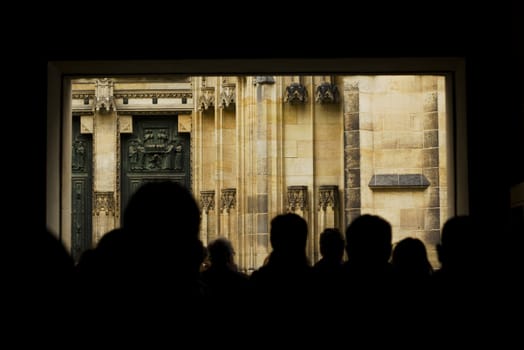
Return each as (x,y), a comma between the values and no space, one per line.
(163,208)
(368,240)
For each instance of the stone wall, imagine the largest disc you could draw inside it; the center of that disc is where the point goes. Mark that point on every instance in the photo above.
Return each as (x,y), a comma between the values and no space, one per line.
(326,147)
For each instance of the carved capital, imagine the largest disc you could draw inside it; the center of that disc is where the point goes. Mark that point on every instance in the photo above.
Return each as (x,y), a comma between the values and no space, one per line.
(227,95)
(297,198)
(104,99)
(328,197)
(327,93)
(104,202)
(207,98)
(295,93)
(228,199)
(207,200)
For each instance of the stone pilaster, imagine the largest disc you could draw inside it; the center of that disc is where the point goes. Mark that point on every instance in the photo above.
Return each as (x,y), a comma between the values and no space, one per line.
(229,216)
(297,202)
(246,189)
(352,203)
(327,213)
(265,96)
(106,159)
(103,213)
(208,223)
(431,163)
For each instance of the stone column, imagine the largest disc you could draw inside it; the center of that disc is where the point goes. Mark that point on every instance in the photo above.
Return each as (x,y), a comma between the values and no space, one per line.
(228,222)
(430,161)
(229,162)
(207,225)
(265,96)
(245,117)
(352,203)
(208,174)
(106,158)
(327,213)
(219,161)
(297,199)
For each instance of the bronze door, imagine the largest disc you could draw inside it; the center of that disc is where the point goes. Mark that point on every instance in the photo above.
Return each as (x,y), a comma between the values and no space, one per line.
(155,151)
(81,191)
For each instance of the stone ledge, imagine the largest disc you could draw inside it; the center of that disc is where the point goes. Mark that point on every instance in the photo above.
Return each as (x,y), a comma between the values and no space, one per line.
(394,181)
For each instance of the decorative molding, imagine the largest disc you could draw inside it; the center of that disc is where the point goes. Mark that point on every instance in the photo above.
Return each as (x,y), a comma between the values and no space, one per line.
(328,197)
(227,95)
(104,100)
(207,200)
(104,202)
(228,199)
(153,93)
(207,98)
(394,181)
(85,112)
(148,112)
(81,94)
(327,93)
(295,93)
(297,198)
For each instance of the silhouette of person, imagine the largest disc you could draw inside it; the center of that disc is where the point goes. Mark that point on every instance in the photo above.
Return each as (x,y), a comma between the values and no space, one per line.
(148,269)
(328,270)
(368,272)
(410,262)
(460,260)
(412,273)
(37,281)
(226,285)
(163,221)
(284,284)
(462,294)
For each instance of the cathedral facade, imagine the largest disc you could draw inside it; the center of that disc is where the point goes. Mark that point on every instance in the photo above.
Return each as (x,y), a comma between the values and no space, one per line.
(328,148)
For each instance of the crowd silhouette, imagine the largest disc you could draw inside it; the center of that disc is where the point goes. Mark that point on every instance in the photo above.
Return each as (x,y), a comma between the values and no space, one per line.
(152,269)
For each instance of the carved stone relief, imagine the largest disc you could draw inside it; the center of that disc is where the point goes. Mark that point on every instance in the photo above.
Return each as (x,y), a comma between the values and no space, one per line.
(155,151)
(327,197)
(207,200)
(207,98)
(184,123)
(79,155)
(327,93)
(104,202)
(227,95)
(126,124)
(104,100)
(228,199)
(295,93)
(297,198)
(86,124)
